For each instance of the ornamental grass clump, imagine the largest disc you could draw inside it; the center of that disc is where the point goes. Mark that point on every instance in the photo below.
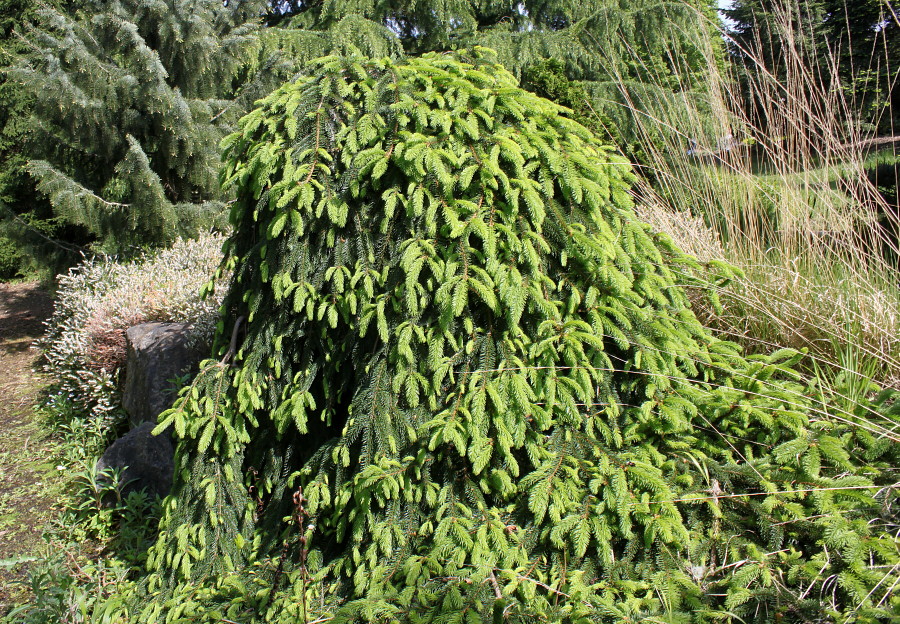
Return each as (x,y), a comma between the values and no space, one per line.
(457,380)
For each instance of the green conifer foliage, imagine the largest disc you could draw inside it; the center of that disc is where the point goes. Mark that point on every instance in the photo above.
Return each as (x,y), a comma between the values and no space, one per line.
(593,39)
(642,62)
(131,98)
(26,219)
(457,380)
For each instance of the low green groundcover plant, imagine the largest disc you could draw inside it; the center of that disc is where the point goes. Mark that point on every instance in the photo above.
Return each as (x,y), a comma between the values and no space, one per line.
(457,380)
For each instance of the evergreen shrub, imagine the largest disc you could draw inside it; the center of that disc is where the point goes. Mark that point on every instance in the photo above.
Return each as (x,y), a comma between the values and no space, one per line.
(457,379)
(10,259)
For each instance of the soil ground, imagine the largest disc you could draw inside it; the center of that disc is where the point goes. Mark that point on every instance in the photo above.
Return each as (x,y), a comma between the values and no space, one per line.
(28,473)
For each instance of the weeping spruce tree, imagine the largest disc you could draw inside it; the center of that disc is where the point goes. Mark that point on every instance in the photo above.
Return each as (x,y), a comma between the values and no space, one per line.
(458,381)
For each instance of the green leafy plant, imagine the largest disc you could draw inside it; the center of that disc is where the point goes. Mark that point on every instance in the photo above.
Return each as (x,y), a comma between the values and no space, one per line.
(51,584)
(66,588)
(448,327)
(100,509)
(10,259)
(94,549)
(97,499)
(81,438)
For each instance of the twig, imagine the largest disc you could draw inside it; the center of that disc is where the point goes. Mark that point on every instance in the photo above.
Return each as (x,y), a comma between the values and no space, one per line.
(496,586)
(550,589)
(232,348)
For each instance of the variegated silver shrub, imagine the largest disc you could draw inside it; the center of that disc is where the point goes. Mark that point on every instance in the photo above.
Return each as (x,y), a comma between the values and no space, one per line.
(84,346)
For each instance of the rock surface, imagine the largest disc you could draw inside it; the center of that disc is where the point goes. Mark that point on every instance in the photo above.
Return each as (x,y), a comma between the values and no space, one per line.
(146,461)
(157,353)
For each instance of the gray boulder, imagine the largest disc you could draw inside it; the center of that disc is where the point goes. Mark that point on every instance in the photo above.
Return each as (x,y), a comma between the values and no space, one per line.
(146,461)
(157,354)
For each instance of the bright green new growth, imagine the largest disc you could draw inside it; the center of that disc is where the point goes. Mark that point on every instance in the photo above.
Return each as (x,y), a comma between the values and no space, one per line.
(449,329)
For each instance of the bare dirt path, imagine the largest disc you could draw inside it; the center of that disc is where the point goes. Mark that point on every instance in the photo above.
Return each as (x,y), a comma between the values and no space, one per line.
(27,469)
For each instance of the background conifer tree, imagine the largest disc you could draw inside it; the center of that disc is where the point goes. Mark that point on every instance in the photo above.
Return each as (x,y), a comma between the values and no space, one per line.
(457,380)
(25,217)
(131,98)
(647,56)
